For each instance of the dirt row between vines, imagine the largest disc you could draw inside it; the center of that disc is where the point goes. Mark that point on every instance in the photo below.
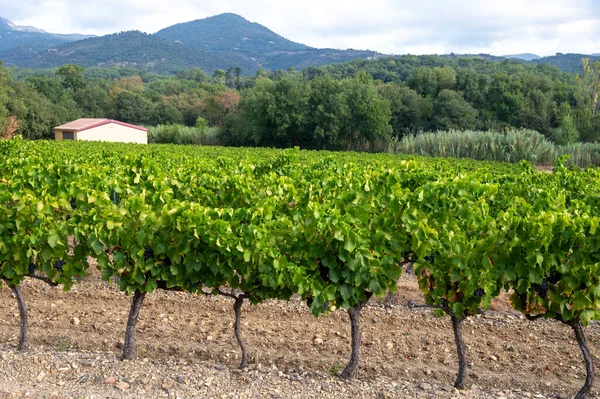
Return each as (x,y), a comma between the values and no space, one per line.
(186,349)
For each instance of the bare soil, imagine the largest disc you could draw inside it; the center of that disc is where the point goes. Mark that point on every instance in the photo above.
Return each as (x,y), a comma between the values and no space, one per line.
(186,348)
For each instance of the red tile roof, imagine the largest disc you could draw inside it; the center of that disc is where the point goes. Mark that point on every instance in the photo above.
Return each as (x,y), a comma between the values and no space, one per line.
(82,124)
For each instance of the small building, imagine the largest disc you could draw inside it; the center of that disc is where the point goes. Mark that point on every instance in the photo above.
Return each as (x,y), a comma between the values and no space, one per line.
(90,129)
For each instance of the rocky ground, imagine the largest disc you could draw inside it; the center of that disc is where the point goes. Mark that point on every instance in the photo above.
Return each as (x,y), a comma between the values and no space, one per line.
(186,349)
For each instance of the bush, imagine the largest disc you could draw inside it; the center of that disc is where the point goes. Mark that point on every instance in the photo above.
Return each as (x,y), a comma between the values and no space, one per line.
(201,124)
(511,146)
(179,134)
(566,133)
(581,154)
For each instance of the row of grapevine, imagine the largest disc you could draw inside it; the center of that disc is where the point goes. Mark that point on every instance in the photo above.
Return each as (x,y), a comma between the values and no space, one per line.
(335,229)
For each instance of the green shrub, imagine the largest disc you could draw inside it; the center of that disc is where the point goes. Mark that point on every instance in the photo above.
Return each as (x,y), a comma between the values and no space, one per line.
(511,146)
(201,124)
(179,134)
(566,133)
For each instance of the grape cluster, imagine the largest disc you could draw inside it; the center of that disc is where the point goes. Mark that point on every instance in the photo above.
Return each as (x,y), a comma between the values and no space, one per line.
(554,277)
(73,203)
(309,301)
(31,268)
(167,262)
(58,265)
(479,293)
(543,291)
(324,272)
(430,259)
(148,254)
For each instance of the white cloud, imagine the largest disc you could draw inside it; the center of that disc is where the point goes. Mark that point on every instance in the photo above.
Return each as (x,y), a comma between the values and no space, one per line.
(389,26)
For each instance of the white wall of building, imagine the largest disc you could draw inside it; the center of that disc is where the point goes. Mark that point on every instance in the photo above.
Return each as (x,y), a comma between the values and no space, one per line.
(112,132)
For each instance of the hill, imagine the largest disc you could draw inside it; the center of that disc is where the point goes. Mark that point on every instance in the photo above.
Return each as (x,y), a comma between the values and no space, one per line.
(524,56)
(19,43)
(230,32)
(138,50)
(233,33)
(218,42)
(567,62)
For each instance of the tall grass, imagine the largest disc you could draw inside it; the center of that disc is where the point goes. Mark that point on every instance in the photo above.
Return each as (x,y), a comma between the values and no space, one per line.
(582,154)
(510,146)
(179,134)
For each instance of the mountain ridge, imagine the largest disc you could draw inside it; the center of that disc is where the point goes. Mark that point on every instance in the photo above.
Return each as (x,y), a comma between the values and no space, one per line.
(13,26)
(524,56)
(218,42)
(20,43)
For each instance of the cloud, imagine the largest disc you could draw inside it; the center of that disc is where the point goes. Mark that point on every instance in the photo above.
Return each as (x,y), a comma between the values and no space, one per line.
(389,26)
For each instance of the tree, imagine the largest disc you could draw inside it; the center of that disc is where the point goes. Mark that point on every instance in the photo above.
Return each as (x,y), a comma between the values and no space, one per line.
(36,114)
(93,99)
(276,111)
(232,77)
(323,113)
(218,106)
(588,101)
(430,81)
(567,132)
(368,114)
(201,124)
(504,98)
(72,76)
(4,80)
(410,112)
(129,83)
(52,88)
(451,111)
(195,74)
(473,85)
(328,113)
(537,106)
(189,104)
(219,76)
(132,107)
(165,114)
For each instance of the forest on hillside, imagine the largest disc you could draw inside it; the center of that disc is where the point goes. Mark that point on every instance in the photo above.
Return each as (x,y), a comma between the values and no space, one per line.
(362,104)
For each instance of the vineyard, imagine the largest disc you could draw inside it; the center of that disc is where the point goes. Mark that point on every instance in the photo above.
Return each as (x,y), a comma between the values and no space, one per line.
(333,230)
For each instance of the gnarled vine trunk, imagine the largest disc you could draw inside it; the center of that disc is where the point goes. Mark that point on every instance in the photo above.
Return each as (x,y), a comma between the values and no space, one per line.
(129,345)
(24,324)
(587,357)
(461,377)
(237,309)
(354,314)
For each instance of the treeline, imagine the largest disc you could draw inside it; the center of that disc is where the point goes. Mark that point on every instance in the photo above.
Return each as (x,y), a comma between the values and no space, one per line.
(358,105)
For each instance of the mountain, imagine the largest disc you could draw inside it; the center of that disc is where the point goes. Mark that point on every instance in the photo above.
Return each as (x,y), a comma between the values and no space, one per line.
(135,49)
(19,43)
(567,62)
(219,42)
(10,26)
(230,32)
(482,56)
(525,56)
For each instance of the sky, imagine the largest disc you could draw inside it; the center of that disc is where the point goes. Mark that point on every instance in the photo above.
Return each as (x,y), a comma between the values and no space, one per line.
(498,27)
